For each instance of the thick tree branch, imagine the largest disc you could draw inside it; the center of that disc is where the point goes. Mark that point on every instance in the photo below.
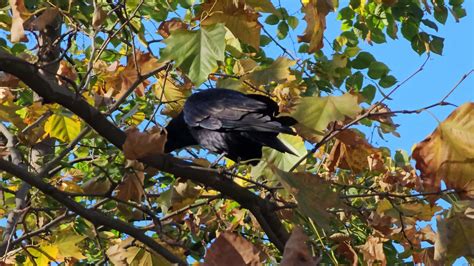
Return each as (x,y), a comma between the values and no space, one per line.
(262,209)
(95,217)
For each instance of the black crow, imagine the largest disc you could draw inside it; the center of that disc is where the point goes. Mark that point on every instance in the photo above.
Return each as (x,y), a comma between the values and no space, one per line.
(229,122)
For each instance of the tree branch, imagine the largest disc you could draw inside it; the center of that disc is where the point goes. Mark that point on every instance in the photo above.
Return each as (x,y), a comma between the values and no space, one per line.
(95,217)
(261,208)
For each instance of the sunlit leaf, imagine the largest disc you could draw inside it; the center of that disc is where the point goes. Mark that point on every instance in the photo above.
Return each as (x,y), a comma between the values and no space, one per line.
(196,52)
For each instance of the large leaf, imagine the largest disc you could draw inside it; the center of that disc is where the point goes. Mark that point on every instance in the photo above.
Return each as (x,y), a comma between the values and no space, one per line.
(455,233)
(232,249)
(448,152)
(241,21)
(278,71)
(62,127)
(282,160)
(196,52)
(315,113)
(314,194)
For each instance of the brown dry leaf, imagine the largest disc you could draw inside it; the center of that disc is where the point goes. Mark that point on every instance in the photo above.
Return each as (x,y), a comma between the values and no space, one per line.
(296,250)
(4,151)
(448,153)
(131,187)
(352,152)
(19,15)
(427,257)
(6,95)
(385,118)
(120,78)
(242,22)
(8,80)
(372,250)
(455,234)
(315,16)
(46,18)
(67,71)
(131,252)
(142,144)
(98,17)
(231,249)
(345,249)
(166,27)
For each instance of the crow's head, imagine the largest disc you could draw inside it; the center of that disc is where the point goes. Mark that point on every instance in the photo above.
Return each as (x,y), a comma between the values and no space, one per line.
(179,135)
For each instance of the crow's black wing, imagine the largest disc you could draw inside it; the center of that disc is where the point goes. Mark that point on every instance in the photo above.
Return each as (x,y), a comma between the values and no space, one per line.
(222,109)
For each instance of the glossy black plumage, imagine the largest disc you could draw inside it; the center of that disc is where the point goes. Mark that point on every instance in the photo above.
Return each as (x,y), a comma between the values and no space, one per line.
(227,121)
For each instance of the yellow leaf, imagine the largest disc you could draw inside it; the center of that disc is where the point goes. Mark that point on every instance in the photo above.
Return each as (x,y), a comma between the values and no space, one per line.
(242,22)
(62,127)
(448,152)
(278,71)
(70,186)
(67,242)
(42,258)
(171,94)
(8,113)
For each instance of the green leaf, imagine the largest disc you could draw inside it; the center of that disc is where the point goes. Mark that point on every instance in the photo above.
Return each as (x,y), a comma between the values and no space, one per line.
(346,13)
(264,40)
(315,113)
(441,14)
(377,70)
(277,71)
(314,195)
(292,21)
(351,51)
(369,93)
(430,24)
(62,127)
(272,20)
(409,29)
(282,30)
(377,36)
(418,43)
(437,45)
(363,60)
(282,160)
(354,82)
(387,81)
(196,52)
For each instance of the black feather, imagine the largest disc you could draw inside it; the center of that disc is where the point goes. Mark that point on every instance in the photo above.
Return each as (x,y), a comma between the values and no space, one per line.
(227,121)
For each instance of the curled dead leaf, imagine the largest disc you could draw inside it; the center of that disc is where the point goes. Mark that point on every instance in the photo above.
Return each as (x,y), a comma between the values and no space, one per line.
(166,27)
(296,250)
(447,154)
(372,250)
(46,18)
(232,249)
(142,144)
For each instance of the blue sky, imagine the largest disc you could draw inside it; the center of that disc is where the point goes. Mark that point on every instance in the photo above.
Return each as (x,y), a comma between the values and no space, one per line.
(440,75)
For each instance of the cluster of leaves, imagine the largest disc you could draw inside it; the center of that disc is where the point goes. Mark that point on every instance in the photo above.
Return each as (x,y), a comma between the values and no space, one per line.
(137,62)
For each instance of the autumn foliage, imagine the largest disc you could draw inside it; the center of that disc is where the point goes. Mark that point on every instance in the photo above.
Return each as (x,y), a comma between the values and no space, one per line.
(87,86)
